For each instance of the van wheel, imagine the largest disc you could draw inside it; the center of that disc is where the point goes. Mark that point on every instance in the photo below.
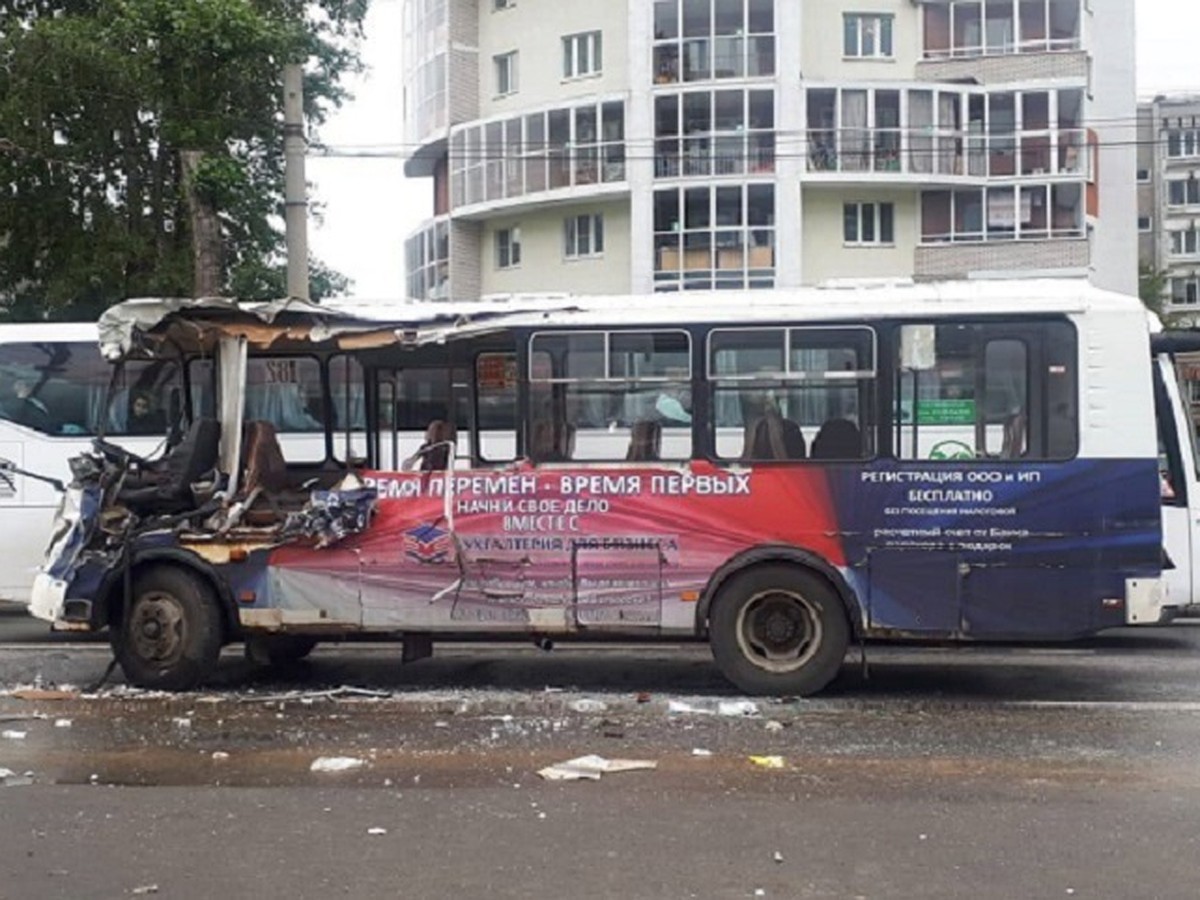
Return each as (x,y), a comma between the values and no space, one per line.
(778,629)
(171,637)
(278,649)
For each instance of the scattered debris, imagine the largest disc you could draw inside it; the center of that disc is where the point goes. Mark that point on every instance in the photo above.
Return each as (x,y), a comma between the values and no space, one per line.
(643,697)
(182,723)
(145,889)
(592,767)
(745,708)
(777,856)
(336,764)
(9,778)
(220,756)
(35,693)
(63,723)
(679,707)
(13,735)
(700,751)
(376,831)
(587,705)
(24,717)
(768,762)
(774,726)
(310,696)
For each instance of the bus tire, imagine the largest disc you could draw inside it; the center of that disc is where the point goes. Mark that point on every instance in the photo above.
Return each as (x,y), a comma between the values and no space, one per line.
(778,629)
(279,649)
(172,635)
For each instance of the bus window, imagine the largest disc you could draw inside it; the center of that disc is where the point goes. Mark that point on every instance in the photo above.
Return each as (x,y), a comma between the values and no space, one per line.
(59,388)
(349,420)
(496,410)
(610,396)
(974,392)
(792,393)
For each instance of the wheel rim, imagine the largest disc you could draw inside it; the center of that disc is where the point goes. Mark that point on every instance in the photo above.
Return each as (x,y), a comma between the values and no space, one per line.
(779,630)
(157,628)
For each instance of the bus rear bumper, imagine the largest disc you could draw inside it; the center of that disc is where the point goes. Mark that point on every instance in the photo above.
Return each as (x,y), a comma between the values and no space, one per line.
(1146,601)
(47,598)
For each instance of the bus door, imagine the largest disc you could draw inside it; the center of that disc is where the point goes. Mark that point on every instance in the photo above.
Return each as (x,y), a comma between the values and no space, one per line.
(1179,484)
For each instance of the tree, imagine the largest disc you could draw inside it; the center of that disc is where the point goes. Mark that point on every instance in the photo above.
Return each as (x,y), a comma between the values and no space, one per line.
(142,144)
(1152,287)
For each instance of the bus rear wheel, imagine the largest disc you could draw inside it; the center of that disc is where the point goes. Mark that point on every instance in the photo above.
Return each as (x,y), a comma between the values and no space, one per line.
(778,629)
(171,636)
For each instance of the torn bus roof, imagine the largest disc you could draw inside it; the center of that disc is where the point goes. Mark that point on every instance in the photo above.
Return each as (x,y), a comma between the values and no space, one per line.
(194,325)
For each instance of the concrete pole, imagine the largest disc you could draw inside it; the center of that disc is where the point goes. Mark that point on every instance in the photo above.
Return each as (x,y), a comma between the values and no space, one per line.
(295,184)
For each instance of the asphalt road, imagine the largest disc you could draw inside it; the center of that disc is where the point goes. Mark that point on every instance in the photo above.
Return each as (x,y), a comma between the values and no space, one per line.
(1016,771)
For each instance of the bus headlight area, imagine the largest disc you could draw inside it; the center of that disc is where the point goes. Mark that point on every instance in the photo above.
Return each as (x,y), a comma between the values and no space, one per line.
(780,478)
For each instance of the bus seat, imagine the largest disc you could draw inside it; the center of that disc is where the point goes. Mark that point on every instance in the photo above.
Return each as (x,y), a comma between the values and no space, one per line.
(436,452)
(773,437)
(837,439)
(645,441)
(1014,440)
(167,487)
(265,467)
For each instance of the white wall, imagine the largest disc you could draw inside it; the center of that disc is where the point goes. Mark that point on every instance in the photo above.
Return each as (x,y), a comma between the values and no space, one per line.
(824,255)
(822,41)
(543,264)
(1112,113)
(535,29)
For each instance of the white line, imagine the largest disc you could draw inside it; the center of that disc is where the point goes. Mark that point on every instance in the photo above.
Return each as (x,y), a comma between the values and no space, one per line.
(1111,705)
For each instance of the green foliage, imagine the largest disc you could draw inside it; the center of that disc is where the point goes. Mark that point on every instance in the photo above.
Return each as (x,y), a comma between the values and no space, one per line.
(98,98)
(1152,287)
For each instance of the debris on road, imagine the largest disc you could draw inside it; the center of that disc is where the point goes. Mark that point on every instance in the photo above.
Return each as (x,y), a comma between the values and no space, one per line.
(588,705)
(376,831)
(681,707)
(336,764)
(591,767)
(768,762)
(774,726)
(747,708)
(310,696)
(220,756)
(700,751)
(9,778)
(777,856)
(35,693)
(13,735)
(145,889)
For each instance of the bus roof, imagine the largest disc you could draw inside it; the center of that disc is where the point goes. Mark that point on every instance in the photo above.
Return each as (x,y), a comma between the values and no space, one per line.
(196,323)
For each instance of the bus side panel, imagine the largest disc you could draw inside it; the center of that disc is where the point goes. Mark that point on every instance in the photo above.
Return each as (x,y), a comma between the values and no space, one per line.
(1023,549)
(978,550)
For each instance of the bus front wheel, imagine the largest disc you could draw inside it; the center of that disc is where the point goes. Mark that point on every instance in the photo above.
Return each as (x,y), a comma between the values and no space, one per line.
(778,630)
(170,637)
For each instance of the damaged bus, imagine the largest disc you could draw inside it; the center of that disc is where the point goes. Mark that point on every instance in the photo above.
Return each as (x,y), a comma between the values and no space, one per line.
(779,474)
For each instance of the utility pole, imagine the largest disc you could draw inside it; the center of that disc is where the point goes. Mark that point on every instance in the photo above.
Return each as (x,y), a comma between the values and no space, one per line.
(295,185)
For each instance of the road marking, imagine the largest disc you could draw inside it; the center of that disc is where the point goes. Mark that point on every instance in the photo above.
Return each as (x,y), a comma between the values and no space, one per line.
(1111,705)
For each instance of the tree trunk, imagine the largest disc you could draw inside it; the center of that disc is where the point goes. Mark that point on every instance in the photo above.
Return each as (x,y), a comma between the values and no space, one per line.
(206,231)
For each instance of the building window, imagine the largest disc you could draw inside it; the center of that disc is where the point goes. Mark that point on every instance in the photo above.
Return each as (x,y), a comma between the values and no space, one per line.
(869,224)
(506,73)
(867,36)
(1183,143)
(508,248)
(1185,243)
(1183,192)
(582,54)
(503,4)
(1143,176)
(714,236)
(701,40)
(1037,212)
(1185,291)
(545,150)
(972,28)
(1145,224)
(427,262)
(721,132)
(583,236)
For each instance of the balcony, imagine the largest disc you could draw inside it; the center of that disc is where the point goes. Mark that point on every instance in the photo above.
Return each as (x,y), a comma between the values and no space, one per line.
(924,155)
(938,261)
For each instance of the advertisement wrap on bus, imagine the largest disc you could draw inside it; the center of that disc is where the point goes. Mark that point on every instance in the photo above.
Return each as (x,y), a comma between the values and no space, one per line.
(779,478)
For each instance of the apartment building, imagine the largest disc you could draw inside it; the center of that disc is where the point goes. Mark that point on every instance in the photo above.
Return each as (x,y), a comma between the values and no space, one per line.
(1168,189)
(662,145)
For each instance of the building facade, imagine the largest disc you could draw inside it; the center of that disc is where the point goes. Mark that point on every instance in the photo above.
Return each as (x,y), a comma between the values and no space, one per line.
(1168,176)
(631,146)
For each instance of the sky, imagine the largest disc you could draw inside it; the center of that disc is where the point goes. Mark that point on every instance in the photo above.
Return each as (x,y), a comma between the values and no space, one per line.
(364,207)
